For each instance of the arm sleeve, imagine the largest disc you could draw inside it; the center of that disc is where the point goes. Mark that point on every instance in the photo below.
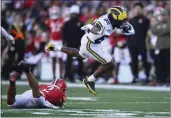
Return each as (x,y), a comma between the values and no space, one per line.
(5,34)
(94,33)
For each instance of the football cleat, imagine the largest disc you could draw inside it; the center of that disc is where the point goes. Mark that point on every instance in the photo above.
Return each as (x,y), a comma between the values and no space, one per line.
(23,66)
(50,47)
(90,86)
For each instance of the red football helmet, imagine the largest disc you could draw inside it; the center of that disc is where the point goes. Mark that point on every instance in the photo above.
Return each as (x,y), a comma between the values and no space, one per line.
(60,83)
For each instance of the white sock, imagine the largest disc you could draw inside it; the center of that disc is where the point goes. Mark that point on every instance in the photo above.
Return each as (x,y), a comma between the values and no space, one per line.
(58,48)
(91,78)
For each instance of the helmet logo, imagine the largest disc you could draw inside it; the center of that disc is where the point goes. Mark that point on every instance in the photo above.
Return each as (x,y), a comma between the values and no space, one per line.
(121,16)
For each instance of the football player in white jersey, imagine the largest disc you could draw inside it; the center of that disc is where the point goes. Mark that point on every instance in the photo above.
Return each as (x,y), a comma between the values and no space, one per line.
(112,22)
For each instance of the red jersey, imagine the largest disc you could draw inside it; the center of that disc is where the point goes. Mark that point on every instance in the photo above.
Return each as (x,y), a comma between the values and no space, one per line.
(53,94)
(55,26)
(114,40)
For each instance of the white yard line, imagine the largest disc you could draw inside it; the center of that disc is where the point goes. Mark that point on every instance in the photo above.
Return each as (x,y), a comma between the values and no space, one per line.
(87,112)
(83,99)
(103,86)
(40,113)
(68,98)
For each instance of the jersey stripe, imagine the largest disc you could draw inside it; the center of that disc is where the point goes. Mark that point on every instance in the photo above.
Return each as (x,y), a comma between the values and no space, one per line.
(103,61)
(99,24)
(54,82)
(122,13)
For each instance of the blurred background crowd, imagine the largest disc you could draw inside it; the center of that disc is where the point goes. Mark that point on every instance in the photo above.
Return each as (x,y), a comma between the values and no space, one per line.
(145,56)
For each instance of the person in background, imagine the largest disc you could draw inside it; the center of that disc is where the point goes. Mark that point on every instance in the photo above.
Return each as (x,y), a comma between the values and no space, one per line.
(35,49)
(121,55)
(7,36)
(99,11)
(18,32)
(160,28)
(86,14)
(136,42)
(55,24)
(71,36)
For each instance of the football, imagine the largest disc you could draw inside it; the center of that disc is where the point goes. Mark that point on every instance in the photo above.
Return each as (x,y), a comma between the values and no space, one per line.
(126,28)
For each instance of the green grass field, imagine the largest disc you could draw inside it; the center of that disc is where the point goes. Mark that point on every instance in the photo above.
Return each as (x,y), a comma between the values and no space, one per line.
(81,103)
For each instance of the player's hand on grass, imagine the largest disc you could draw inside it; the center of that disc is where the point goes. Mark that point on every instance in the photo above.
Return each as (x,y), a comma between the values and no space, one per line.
(50,47)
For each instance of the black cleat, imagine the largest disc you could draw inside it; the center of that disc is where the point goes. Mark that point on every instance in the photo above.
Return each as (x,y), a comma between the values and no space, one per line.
(90,86)
(23,66)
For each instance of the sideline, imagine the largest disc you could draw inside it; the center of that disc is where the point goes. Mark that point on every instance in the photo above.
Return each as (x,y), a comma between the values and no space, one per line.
(102,86)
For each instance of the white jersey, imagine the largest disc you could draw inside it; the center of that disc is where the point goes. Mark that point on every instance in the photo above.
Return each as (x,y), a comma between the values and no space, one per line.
(91,43)
(26,100)
(105,24)
(106,29)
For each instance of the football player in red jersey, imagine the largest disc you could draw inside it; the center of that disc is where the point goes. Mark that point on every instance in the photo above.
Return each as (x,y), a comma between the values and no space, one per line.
(40,96)
(55,24)
(54,92)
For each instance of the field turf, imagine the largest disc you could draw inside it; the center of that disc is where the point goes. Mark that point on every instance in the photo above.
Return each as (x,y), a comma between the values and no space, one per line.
(111,103)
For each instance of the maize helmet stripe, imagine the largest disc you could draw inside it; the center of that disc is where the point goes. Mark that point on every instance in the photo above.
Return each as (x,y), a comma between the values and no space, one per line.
(119,13)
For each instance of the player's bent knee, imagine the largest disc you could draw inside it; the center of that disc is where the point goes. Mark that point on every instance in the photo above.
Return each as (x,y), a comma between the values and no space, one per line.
(111,64)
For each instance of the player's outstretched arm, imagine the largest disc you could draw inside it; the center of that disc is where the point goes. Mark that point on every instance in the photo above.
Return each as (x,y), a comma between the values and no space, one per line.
(12,89)
(33,83)
(7,36)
